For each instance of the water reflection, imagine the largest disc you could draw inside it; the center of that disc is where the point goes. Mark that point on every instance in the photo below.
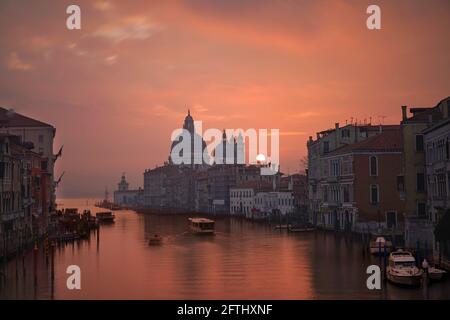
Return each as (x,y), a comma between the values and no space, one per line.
(243,260)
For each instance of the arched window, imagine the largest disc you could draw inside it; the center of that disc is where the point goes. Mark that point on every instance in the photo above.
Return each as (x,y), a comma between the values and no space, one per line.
(373,164)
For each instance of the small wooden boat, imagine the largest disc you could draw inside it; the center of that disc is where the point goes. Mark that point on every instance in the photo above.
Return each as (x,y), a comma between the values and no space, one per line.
(436,274)
(282,226)
(69,236)
(402,269)
(155,240)
(301,229)
(105,217)
(202,225)
(377,246)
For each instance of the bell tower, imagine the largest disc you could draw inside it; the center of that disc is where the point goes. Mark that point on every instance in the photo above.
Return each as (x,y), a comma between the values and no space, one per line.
(123,184)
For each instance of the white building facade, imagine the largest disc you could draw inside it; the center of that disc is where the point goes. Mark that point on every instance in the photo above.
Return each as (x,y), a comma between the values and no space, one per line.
(242,201)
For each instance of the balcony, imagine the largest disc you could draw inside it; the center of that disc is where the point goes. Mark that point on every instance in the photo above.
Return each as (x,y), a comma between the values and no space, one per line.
(9,216)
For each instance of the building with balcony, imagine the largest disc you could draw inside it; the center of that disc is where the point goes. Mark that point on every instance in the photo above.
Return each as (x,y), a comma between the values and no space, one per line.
(359,185)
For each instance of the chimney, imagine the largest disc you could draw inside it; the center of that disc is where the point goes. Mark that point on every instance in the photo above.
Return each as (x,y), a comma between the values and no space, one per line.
(336,126)
(404,117)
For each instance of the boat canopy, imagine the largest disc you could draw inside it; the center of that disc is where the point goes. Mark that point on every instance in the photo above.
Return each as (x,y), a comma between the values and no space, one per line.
(200,220)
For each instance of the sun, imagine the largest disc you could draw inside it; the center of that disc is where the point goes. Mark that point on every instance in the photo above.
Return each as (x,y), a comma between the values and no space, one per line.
(260,158)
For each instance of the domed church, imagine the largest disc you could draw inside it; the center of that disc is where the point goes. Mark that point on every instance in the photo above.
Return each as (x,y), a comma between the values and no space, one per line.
(195,155)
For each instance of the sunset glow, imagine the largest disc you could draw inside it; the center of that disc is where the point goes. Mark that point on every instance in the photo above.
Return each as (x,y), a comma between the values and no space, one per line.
(118,87)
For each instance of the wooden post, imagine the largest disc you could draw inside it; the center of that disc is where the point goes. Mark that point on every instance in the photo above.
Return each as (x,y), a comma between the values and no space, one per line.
(35,257)
(385,261)
(379,252)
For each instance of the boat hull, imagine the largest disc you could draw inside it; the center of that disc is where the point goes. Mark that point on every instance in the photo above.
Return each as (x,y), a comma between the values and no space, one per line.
(378,251)
(105,220)
(200,231)
(437,275)
(301,229)
(414,280)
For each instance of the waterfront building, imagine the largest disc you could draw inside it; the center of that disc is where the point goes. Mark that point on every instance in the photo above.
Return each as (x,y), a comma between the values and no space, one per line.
(156,183)
(223,177)
(418,227)
(23,197)
(127,198)
(242,201)
(437,160)
(327,141)
(274,203)
(359,185)
(298,184)
(11,213)
(41,135)
(202,200)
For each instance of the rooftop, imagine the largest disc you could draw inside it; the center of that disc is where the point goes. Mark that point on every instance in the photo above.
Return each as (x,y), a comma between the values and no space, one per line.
(10,119)
(386,141)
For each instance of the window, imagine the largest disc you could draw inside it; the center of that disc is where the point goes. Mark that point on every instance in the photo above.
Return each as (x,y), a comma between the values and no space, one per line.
(401,183)
(447,149)
(345,133)
(419,142)
(420,182)
(335,168)
(374,194)
(421,210)
(2,170)
(346,193)
(326,147)
(391,219)
(373,162)
(41,138)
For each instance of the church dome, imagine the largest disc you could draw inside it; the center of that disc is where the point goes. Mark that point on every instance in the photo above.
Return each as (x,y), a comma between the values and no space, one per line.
(189,126)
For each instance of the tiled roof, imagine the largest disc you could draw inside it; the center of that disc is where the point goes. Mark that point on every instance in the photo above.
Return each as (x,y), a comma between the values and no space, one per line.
(11,119)
(255,184)
(386,141)
(423,115)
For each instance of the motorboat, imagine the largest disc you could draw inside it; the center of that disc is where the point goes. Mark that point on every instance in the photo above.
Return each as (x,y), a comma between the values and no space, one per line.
(402,269)
(377,247)
(155,240)
(436,274)
(302,228)
(202,225)
(105,217)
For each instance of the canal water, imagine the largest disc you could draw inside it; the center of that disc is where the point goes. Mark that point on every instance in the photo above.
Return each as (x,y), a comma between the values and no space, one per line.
(244,260)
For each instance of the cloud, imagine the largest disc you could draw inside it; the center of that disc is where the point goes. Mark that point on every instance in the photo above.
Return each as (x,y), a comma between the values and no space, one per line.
(16,63)
(134,28)
(306,114)
(292,133)
(199,108)
(164,111)
(110,60)
(102,5)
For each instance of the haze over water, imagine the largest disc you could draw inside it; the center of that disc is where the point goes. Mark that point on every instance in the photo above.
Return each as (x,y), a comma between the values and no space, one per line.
(244,260)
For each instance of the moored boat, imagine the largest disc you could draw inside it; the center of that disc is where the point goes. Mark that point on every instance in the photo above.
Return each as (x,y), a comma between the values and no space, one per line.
(379,244)
(436,274)
(306,228)
(202,225)
(402,269)
(105,217)
(155,240)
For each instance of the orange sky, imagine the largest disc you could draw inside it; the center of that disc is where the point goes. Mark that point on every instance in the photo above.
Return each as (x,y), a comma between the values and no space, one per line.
(117,88)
